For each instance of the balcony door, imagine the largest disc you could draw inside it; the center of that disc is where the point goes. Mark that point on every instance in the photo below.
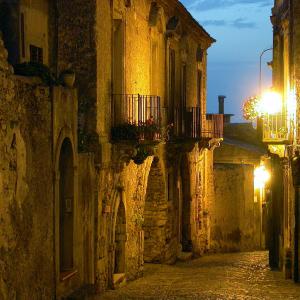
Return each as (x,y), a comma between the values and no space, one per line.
(151,104)
(199,87)
(182,106)
(198,111)
(118,70)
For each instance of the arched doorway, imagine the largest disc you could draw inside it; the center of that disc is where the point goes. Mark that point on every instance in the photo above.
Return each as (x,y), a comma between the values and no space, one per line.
(120,240)
(66,207)
(157,231)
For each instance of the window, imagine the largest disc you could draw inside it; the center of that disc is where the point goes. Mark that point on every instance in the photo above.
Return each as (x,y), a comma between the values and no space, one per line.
(199,54)
(172,70)
(36,54)
(199,87)
(183,86)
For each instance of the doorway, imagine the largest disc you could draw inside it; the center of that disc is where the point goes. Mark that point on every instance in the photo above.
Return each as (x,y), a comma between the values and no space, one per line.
(120,240)
(66,207)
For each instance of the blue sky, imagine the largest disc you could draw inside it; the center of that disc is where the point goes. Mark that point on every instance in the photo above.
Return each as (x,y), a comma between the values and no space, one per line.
(242,29)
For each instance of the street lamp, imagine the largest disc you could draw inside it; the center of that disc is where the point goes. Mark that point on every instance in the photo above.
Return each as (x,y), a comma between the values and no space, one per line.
(259,119)
(270,102)
(261,177)
(260,68)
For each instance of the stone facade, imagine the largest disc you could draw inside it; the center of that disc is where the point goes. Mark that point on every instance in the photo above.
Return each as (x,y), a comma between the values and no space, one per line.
(239,208)
(283,217)
(79,208)
(25,186)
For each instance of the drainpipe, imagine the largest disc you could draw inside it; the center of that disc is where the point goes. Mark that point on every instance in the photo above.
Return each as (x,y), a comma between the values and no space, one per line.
(53,150)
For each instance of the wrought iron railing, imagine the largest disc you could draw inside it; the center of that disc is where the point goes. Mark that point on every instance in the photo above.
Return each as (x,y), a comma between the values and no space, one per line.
(214,126)
(136,117)
(190,123)
(278,128)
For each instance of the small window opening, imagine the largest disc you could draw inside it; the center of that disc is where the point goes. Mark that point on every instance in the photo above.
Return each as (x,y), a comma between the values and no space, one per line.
(36,54)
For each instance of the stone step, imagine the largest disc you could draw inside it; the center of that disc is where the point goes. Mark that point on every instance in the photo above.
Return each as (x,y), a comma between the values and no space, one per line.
(185,256)
(119,280)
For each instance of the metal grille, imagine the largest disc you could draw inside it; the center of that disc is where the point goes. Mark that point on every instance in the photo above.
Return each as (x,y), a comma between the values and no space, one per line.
(140,112)
(190,123)
(277,128)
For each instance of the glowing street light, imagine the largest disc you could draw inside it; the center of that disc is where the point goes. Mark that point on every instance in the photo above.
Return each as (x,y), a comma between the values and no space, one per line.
(270,103)
(261,177)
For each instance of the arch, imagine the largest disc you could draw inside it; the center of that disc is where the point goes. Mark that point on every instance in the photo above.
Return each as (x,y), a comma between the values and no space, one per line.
(65,133)
(153,14)
(156,219)
(120,240)
(117,236)
(66,206)
(174,26)
(157,17)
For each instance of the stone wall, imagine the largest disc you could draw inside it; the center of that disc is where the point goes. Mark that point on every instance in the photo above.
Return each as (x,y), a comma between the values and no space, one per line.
(159,234)
(87,211)
(236,217)
(129,186)
(30,141)
(201,184)
(26,194)
(77,50)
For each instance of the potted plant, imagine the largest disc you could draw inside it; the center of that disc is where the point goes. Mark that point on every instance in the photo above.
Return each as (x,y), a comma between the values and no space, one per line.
(150,129)
(68,77)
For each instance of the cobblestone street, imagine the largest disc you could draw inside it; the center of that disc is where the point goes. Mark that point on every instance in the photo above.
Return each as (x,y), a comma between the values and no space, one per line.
(222,277)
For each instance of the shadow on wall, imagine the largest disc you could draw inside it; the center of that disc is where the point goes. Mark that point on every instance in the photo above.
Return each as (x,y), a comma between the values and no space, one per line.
(9,26)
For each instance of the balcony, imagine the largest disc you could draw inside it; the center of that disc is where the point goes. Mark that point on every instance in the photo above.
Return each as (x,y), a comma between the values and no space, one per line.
(277,129)
(189,123)
(214,126)
(136,117)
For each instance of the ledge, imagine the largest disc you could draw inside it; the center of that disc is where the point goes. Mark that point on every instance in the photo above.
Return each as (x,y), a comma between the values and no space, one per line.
(67,275)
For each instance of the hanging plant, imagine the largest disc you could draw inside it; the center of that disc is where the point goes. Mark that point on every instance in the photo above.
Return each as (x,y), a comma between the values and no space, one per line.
(250,108)
(141,155)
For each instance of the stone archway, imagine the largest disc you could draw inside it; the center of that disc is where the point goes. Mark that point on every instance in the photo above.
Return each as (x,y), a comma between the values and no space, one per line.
(66,207)
(120,241)
(157,231)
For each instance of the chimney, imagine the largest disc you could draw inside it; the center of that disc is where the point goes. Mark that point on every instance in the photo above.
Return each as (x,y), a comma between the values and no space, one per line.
(221,104)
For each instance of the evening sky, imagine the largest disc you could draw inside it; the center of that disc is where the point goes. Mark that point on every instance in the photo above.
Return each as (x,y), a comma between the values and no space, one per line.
(243,30)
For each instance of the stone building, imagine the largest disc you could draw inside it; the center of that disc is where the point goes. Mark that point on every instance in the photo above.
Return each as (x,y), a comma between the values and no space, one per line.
(238,221)
(98,179)
(280,133)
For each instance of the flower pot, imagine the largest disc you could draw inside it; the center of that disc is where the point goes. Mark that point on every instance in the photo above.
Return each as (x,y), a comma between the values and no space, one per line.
(69,79)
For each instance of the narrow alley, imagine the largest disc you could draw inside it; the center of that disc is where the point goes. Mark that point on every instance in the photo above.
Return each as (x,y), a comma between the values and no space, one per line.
(149,149)
(221,276)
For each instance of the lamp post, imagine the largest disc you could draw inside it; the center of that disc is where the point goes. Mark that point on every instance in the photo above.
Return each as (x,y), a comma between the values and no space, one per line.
(259,119)
(260,69)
